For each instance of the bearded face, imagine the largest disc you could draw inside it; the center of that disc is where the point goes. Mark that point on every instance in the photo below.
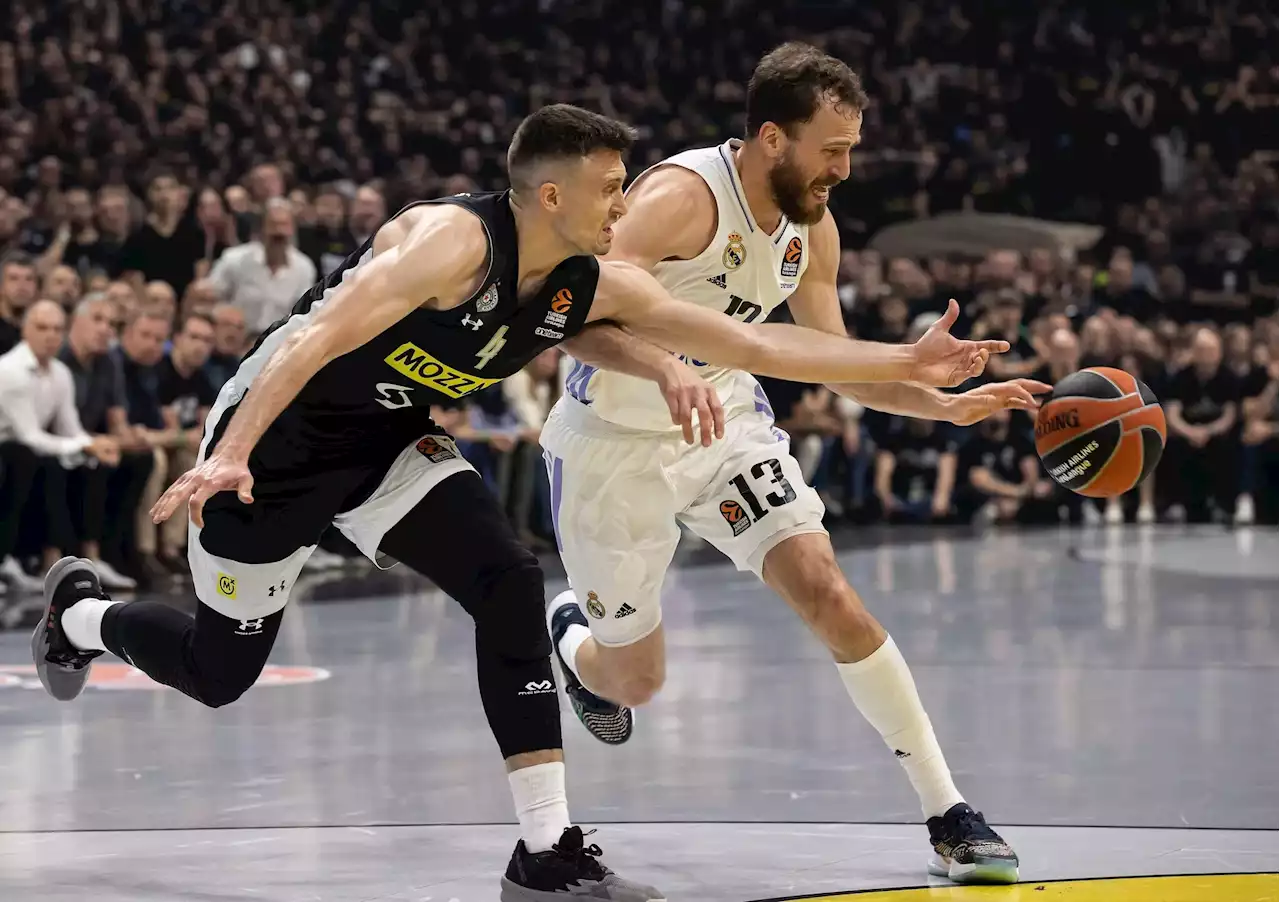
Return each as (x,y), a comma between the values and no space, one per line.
(801,199)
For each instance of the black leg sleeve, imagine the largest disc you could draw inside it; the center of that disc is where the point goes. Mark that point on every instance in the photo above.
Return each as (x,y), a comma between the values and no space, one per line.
(459,537)
(209,657)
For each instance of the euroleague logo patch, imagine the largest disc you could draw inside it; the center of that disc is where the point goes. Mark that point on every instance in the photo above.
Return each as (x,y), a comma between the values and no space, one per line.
(735,516)
(431,448)
(113,676)
(563,301)
(791,258)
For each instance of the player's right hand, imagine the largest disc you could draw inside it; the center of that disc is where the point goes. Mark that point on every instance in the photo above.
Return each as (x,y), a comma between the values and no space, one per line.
(202,482)
(686,392)
(944,361)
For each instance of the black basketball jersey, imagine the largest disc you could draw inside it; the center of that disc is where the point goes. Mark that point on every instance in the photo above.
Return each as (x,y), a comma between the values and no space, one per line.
(381,393)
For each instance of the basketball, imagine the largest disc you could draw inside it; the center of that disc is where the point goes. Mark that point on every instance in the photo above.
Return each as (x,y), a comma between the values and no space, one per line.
(1101,433)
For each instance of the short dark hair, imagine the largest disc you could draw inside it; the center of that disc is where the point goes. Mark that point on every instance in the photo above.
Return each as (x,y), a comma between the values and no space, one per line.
(792,81)
(563,131)
(188,317)
(17,258)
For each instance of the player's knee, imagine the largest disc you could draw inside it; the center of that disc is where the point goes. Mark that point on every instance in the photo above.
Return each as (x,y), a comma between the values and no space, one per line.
(215,691)
(508,606)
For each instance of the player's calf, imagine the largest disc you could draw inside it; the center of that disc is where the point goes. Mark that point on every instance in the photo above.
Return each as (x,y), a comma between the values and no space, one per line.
(610,722)
(806,574)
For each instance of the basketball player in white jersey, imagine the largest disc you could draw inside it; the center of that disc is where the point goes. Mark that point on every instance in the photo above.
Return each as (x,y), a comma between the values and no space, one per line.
(739,228)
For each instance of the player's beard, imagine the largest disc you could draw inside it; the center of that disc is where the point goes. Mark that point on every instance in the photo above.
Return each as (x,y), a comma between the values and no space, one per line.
(794,194)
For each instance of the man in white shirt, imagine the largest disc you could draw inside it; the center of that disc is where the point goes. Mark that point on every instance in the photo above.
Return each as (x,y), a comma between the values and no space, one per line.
(40,435)
(265,278)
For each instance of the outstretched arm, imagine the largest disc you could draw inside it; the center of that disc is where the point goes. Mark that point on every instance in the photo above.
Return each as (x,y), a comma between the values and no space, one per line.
(379,294)
(816,305)
(634,299)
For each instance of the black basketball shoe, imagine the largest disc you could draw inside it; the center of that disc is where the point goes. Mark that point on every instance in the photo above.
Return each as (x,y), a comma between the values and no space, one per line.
(966,850)
(62,668)
(611,724)
(569,870)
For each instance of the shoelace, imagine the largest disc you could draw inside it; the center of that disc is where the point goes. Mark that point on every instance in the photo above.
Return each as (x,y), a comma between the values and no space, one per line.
(972,824)
(584,857)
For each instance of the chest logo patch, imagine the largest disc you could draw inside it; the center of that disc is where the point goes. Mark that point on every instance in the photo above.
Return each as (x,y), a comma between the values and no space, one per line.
(488,300)
(791,258)
(735,252)
(412,362)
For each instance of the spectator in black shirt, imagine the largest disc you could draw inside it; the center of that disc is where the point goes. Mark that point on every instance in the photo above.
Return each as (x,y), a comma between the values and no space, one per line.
(229,332)
(140,351)
(1258,460)
(186,394)
(915,471)
(1003,319)
(1202,411)
(105,499)
(329,241)
(1001,478)
(1262,265)
(17,293)
(1119,293)
(368,212)
(167,246)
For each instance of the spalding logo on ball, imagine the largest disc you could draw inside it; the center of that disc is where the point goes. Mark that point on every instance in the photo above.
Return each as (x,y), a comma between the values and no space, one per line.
(1101,433)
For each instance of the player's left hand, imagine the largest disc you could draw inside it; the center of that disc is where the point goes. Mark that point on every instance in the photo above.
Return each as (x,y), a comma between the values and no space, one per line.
(944,361)
(685,392)
(979,403)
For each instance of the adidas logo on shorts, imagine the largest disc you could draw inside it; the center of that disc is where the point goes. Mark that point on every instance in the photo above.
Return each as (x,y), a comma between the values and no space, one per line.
(625,611)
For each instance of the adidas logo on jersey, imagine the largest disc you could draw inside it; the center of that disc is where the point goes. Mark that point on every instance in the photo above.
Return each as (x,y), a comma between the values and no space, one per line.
(720,281)
(625,611)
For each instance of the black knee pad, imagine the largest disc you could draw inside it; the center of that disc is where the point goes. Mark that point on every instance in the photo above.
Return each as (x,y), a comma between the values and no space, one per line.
(216,693)
(509,609)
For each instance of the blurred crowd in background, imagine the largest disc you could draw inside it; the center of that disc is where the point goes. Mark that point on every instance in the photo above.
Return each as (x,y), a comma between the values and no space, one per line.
(173,175)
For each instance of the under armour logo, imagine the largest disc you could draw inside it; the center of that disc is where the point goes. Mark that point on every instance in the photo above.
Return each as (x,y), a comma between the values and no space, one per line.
(271,590)
(250,627)
(475,324)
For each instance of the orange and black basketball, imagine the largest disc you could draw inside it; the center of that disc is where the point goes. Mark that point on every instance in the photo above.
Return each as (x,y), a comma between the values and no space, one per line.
(1101,433)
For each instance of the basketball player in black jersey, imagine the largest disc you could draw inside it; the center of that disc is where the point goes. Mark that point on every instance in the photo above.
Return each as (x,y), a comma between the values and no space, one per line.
(328,420)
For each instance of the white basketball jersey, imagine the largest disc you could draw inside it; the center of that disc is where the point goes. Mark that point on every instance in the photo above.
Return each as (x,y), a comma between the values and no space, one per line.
(743,273)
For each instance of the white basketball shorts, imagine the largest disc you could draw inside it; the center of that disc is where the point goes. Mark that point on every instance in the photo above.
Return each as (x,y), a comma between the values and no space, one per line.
(616,496)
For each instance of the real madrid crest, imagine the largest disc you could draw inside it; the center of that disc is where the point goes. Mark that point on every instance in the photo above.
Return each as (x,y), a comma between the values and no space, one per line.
(488,300)
(735,252)
(594,607)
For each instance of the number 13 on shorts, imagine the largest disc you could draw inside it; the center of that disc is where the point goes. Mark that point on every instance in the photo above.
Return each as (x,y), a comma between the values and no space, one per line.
(767,473)
(761,501)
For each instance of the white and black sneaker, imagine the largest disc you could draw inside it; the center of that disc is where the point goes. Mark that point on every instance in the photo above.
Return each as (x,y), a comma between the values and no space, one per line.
(569,870)
(611,724)
(966,850)
(62,668)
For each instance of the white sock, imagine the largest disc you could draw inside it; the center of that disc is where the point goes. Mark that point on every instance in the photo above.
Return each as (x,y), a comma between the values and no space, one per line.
(884,691)
(82,622)
(541,804)
(573,637)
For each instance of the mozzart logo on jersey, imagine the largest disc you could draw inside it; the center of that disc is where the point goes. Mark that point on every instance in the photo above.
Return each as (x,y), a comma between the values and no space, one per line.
(411,361)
